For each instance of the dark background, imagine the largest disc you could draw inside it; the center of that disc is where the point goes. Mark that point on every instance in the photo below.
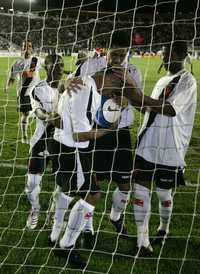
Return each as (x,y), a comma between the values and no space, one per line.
(104,5)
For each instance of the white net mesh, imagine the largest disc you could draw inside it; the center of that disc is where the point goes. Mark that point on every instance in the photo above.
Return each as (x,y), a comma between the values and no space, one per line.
(67,29)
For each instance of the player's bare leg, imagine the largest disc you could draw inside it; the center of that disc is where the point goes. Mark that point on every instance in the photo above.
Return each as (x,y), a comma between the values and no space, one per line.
(24,127)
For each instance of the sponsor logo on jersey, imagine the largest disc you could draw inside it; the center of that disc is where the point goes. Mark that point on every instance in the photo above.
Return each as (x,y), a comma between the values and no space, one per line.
(88,215)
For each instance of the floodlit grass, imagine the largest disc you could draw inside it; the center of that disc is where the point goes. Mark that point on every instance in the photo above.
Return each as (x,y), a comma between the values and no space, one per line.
(23,251)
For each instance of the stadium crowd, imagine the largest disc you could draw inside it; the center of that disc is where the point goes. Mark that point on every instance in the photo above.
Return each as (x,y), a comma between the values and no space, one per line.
(50,31)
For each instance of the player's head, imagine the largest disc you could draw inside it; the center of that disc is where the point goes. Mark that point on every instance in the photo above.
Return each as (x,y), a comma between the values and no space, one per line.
(27,48)
(173,55)
(118,47)
(81,58)
(107,83)
(54,67)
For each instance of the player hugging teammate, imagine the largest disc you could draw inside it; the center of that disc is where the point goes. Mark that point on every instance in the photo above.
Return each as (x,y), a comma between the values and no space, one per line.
(85,142)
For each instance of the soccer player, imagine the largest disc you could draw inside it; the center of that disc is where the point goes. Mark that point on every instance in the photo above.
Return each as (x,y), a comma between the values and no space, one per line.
(44,100)
(163,141)
(81,58)
(77,113)
(26,72)
(115,148)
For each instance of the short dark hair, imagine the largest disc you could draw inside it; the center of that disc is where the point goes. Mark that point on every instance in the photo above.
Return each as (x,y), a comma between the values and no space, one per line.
(52,59)
(120,39)
(178,46)
(25,42)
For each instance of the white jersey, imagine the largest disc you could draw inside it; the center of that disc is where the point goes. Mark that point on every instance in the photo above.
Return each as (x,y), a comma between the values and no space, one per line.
(166,140)
(188,60)
(46,98)
(77,113)
(17,70)
(93,65)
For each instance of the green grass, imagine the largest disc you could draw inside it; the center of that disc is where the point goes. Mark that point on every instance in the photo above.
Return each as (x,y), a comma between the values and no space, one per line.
(23,251)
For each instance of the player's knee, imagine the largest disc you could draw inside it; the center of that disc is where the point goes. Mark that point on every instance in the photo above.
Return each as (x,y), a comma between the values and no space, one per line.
(36,166)
(141,191)
(24,118)
(93,198)
(33,183)
(164,195)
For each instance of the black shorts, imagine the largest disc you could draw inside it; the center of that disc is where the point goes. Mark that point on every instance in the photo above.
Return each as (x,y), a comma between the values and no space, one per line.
(165,177)
(24,103)
(40,156)
(65,167)
(112,156)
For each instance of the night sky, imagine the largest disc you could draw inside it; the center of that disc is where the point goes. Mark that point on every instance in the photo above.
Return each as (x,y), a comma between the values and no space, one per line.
(105,5)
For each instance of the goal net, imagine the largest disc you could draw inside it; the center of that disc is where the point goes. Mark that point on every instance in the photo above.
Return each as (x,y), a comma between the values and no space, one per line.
(67,29)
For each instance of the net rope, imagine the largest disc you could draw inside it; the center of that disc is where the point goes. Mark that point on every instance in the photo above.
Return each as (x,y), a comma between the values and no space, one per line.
(24,250)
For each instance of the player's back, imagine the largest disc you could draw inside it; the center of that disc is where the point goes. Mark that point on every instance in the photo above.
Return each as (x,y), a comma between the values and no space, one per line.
(46,98)
(77,113)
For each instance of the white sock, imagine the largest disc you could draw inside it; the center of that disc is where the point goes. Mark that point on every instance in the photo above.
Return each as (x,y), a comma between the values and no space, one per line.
(55,196)
(89,225)
(142,208)
(62,203)
(32,189)
(165,207)
(78,217)
(120,200)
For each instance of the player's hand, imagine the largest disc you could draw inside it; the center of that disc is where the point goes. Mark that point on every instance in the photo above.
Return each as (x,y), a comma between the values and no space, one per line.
(124,75)
(121,101)
(114,125)
(73,85)
(54,119)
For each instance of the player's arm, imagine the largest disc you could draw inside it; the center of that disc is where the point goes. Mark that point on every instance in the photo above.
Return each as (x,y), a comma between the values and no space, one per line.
(52,118)
(81,123)
(73,85)
(10,82)
(144,102)
(28,74)
(11,79)
(92,134)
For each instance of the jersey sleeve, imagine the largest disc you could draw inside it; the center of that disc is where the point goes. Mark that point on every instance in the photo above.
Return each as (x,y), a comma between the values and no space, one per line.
(184,94)
(136,75)
(36,100)
(16,68)
(92,65)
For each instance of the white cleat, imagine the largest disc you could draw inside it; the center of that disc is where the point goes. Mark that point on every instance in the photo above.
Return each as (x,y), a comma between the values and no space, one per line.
(32,220)
(56,231)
